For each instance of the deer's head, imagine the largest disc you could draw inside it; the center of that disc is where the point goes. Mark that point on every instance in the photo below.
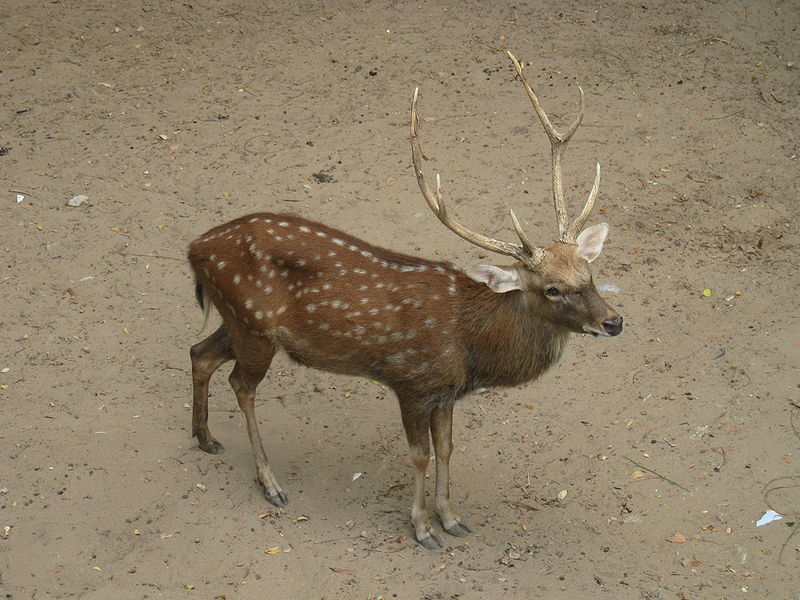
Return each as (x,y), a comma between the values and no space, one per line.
(555,281)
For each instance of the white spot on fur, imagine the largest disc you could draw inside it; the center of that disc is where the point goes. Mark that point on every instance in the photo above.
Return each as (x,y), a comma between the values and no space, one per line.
(283,224)
(259,315)
(311,307)
(221,264)
(237,279)
(281,310)
(248,304)
(321,233)
(338,242)
(304,229)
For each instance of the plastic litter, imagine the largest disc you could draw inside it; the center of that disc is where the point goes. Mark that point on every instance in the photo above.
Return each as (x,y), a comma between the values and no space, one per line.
(769,517)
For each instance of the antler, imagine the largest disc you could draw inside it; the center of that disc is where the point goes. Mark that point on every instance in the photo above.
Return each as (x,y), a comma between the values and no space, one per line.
(567,233)
(526,253)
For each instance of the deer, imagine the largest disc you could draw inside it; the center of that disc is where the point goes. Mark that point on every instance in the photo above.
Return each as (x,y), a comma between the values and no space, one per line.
(430,331)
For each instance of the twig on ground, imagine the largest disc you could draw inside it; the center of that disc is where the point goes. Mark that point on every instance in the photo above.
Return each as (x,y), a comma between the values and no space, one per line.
(724,459)
(657,474)
(152,256)
(520,505)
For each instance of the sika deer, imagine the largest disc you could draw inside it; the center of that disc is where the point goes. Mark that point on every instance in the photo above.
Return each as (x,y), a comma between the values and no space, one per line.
(430,331)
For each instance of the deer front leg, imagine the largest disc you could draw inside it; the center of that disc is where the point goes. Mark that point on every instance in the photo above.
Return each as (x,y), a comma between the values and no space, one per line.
(207,356)
(244,385)
(442,433)
(416,423)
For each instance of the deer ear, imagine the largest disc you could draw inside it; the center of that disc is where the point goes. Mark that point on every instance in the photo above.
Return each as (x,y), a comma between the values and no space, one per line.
(590,241)
(498,279)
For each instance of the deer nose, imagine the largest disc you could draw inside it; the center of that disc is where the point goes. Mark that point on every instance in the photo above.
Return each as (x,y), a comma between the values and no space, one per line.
(613,326)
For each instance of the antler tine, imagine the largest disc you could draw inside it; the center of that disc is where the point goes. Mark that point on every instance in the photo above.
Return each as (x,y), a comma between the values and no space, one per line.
(529,248)
(525,253)
(558,142)
(577,225)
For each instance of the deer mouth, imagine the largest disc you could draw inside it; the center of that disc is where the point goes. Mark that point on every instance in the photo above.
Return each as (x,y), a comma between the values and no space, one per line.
(594,331)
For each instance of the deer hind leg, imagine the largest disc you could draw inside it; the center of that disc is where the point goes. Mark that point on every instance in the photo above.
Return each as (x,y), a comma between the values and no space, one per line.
(251,366)
(442,433)
(207,356)
(416,422)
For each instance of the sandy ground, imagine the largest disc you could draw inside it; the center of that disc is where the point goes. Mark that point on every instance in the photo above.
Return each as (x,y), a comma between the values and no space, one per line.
(636,468)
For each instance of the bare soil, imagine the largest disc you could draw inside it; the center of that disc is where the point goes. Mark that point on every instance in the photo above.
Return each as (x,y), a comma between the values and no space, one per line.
(635,469)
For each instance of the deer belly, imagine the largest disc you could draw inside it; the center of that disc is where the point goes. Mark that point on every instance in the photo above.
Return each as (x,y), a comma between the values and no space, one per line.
(386,357)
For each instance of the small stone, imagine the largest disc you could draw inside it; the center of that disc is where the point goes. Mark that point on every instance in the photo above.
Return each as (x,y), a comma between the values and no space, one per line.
(77,200)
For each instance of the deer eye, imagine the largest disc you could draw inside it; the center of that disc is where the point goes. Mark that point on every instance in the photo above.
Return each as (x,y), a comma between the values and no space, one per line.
(552,292)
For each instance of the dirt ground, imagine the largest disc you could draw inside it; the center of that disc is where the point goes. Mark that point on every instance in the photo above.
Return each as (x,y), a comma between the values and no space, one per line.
(635,469)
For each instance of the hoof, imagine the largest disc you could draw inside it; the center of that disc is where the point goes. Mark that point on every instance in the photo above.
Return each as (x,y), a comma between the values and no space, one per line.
(458,529)
(212,447)
(431,542)
(277,498)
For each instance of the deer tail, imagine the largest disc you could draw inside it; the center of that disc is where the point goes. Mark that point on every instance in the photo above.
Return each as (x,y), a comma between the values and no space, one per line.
(204,301)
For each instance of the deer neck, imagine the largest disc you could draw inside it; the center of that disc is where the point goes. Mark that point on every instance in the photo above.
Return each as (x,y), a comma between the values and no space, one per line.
(509,341)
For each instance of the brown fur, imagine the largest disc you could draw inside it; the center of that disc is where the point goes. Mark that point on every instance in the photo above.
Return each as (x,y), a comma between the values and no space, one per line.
(337,303)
